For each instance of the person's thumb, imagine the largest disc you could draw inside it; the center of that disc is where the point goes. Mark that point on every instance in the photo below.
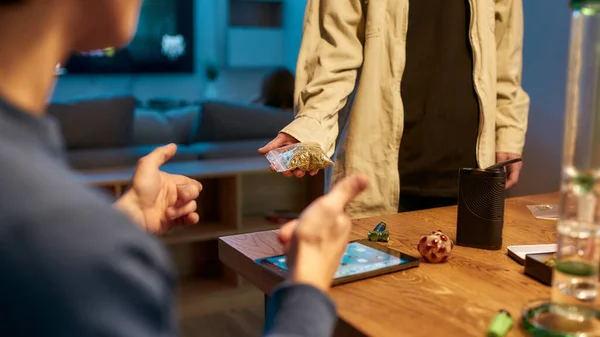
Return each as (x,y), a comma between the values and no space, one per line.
(159,156)
(277,142)
(347,189)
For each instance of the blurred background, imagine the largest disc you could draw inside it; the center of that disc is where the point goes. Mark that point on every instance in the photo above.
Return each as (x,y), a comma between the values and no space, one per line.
(243,39)
(190,52)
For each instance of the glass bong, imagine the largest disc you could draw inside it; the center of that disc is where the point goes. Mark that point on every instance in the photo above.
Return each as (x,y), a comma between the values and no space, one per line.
(573,309)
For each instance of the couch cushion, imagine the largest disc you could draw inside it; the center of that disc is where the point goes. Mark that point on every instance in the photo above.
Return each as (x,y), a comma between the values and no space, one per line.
(119,157)
(95,123)
(224,150)
(182,122)
(221,121)
(161,127)
(151,127)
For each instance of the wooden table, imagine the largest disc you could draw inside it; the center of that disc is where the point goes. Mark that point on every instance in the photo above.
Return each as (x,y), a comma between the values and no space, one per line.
(458,298)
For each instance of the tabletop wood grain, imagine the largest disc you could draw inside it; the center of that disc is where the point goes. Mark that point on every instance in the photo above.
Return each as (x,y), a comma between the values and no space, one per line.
(457,298)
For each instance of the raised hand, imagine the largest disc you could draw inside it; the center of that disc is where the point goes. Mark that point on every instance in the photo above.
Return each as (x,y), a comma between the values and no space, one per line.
(159,201)
(315,242)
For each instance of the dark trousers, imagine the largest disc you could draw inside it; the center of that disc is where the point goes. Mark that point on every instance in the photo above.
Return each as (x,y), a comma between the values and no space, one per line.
(409,202)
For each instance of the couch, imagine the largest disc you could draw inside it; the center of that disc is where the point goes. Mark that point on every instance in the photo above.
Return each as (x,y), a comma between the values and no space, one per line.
(107,132)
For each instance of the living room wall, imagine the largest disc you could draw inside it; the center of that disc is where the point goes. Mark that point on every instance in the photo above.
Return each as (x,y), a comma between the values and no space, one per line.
(545,59)
(240,85)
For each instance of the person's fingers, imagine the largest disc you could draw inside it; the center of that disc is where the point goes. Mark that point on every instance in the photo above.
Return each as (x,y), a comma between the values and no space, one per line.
(178,212)
(296,173)
(159,156)
(513,170)
(347,189)
(509,184)
(286,232)
(195,183)
(516,172)
(313,173)
(513,175)
(274,144)
(185,181)
(272,168)
(510,181)
(192,218)
(187,193)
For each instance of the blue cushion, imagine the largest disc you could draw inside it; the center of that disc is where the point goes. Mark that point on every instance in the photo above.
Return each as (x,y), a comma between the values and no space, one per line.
(95,123)
(222,121)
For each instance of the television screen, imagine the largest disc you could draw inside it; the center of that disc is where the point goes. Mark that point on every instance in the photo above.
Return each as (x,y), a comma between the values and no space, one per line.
(164,43)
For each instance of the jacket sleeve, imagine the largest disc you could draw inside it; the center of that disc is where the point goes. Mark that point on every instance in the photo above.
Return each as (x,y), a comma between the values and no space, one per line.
(330,55)
(512,101)
(299,310)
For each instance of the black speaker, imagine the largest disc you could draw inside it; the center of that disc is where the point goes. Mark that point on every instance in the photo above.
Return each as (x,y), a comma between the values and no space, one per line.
(480,208)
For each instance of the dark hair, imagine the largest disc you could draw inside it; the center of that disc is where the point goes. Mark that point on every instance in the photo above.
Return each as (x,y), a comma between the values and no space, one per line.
(278,89)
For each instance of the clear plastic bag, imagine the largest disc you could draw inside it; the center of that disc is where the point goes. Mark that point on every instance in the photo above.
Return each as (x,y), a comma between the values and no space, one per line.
(303,156)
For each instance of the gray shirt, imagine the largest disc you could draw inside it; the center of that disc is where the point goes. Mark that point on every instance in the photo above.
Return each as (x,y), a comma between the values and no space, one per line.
(71,265)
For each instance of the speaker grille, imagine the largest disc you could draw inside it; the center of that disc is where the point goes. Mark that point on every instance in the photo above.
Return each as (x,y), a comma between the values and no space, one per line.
(483,196)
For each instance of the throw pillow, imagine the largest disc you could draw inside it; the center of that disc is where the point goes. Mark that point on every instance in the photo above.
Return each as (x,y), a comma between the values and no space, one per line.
(96,123)
(222,121)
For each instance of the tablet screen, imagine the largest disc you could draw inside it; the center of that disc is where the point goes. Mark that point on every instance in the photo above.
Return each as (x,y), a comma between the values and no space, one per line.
(357,259)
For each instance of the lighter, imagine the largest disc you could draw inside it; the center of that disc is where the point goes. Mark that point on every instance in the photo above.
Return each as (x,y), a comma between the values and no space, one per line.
(500,325)
(379,233)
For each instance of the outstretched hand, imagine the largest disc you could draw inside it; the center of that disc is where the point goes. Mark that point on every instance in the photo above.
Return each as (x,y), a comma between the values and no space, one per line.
(159,201)
(315,242)
(281,140)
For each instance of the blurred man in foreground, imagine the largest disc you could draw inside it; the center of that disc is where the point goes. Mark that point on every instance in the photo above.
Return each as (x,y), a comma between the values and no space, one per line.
(72,263)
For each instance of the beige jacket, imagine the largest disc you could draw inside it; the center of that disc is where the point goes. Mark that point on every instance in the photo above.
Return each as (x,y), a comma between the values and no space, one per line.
(348,88)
